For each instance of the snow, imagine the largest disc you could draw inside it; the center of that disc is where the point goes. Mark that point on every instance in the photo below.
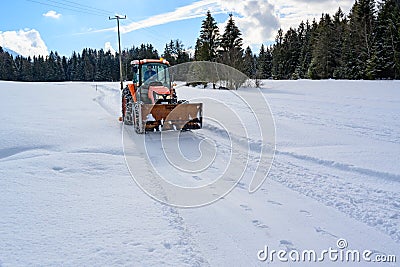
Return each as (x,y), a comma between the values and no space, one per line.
(68,198)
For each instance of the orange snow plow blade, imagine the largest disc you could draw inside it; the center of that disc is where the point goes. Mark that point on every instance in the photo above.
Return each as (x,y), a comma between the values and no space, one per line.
(176,117)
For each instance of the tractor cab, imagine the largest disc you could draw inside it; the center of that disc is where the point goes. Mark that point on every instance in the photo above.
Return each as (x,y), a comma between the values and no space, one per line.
(152,81)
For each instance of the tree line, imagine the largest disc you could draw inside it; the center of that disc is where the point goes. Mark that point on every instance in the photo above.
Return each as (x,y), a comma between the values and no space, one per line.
(365,44)
(90,65)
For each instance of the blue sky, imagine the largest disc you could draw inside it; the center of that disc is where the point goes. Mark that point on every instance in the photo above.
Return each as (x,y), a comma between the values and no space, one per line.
(39,26)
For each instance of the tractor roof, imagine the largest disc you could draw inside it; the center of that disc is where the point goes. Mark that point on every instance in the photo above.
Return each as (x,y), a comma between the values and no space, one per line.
(145,61)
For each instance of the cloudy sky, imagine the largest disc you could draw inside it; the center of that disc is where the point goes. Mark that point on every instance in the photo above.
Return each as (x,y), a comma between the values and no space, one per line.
(32,27)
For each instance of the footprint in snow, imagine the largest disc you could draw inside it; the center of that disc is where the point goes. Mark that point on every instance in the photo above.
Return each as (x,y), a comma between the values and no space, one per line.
(57,169)
(324,232)
(288,245)
(245,207)
(167,245)
(196,177)
(306,213)
(241,186)
(135,244)
(260,224)
(275,203)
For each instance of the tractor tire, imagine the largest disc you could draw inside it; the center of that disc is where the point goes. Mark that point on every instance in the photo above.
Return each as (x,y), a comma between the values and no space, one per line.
(139,127)
(128,118)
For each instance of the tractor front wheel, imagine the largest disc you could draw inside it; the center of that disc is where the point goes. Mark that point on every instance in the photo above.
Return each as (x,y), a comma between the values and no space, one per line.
(127,112)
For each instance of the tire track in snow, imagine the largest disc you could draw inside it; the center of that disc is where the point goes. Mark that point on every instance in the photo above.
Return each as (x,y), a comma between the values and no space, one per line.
(108,98)
(343,166)
(185,243)
(330,182)
(190,255)
(371,203)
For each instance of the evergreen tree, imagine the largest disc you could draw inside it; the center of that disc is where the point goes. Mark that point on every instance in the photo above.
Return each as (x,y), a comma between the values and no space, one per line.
(201,51)
(291,48)
(54,68)
(264,63)
(7,66)
(64,67)
(23,68)
(338,39)
(207,44)
(388,40)
(249,66)
(39,69)
(277,57)
(88,66)
(323,57)
(291,53)
(175,54)
(231,52)
(362,26)
(73,67)
(304,34)
(146,51)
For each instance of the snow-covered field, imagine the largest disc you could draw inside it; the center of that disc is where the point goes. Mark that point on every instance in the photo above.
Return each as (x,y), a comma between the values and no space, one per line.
(67,196)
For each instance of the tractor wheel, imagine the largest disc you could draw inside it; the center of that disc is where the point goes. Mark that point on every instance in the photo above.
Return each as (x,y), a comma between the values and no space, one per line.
(139,127)
(128,114)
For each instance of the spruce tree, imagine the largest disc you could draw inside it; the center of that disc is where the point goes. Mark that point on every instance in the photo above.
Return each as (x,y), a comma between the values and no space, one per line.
(249,67)
(231,52)
(362,24)
(208,42)
(278,57)
(388,40)
(264,63)
(338,39)
(7,66)
(291,48)
(174,52)
(323,59)
(304,33)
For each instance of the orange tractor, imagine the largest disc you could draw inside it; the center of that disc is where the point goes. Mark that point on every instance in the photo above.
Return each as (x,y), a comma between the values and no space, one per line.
(150,103)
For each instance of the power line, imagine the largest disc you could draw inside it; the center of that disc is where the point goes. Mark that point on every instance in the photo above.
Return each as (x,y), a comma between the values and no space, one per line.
(155,34)
(79,7)
(94,8)
(85,9)
(71,8)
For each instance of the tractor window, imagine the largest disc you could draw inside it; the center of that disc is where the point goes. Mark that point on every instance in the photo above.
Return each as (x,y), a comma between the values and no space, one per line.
(155,72)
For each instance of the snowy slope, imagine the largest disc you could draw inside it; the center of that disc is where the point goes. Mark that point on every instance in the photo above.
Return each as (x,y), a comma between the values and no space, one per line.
(67,197)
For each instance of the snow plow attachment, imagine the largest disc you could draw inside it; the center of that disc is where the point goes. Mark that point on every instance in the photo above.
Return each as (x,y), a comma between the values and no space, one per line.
(166,117)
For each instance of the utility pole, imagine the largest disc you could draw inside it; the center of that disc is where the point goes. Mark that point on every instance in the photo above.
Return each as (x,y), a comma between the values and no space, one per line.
(119,46)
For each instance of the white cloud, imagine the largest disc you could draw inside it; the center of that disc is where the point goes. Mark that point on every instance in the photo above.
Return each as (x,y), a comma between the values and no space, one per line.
(292,12)
(258,20)
(108,47)
(25,42)
(52,14)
